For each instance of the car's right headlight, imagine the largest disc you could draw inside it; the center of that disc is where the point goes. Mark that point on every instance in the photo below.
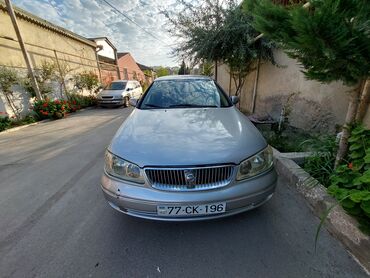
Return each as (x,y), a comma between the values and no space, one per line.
(122,169)
(256,164)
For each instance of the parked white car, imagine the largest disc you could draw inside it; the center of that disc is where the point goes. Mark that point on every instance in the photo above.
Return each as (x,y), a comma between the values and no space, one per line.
(119,93)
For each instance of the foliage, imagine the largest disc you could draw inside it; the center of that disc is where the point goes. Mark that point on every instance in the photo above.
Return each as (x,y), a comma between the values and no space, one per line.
(206,68)
(321,164)
(183,69)
(290,140)
(44,77)
(59,108)
(351,180)
(4,123)
(239,50)
(8,78)
(220,31)
(197,27)
(330,39)
(86,80)
(51,109)
(83,101)
(161,71)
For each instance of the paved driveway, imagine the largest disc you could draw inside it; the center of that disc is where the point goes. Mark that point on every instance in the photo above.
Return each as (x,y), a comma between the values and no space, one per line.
(54,221)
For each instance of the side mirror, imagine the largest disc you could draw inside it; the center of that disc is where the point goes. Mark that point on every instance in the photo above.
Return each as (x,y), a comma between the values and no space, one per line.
(234,99)
(133,102)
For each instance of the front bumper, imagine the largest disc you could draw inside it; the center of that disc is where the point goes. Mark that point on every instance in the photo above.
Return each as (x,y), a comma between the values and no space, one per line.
(142,201)
(113,102)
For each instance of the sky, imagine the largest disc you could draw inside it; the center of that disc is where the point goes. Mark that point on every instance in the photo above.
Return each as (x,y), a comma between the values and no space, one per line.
(94,18)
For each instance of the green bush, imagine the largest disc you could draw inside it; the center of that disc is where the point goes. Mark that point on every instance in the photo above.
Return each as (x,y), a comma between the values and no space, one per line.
(4,123)
(83,101)
(86,80)
(51,109)
(321,164)
(350,183)
(59,108)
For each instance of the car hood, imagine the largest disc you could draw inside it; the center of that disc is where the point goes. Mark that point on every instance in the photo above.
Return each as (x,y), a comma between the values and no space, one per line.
(186,137)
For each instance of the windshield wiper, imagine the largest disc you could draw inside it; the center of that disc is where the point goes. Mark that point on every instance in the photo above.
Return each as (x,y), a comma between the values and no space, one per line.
(190,105)
(153,105)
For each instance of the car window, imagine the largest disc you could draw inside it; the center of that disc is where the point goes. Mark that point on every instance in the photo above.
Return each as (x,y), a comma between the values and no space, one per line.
(184,93)
(116,86)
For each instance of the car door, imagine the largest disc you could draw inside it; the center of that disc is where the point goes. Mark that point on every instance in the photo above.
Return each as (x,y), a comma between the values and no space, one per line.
(139,90)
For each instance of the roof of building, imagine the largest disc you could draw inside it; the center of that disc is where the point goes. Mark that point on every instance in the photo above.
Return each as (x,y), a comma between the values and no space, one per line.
(20,13)
(143,67)
(121,54)
(104,38)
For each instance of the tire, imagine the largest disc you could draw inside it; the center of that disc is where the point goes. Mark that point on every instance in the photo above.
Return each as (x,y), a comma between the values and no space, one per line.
(126,101)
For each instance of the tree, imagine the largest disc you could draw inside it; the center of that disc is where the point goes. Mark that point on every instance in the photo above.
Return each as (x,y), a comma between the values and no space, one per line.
(238,48)
(331,39)
(196,25)
(161,71)
(183,69)
(227,37)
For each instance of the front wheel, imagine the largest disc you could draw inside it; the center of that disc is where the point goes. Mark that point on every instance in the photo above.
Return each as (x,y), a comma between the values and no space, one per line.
(126,101)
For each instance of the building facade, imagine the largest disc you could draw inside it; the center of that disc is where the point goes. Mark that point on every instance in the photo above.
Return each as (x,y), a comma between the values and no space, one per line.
(44,42)
(128,67)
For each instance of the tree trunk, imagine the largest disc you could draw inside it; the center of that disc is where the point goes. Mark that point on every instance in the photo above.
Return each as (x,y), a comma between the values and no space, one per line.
(350,119)
(364,102)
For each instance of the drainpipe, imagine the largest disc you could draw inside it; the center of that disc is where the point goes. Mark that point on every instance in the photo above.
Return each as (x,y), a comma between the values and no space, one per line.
(118,71)
(98,48)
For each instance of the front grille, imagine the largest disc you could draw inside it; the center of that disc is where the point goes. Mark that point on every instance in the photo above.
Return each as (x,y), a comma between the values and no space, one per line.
(107,97)
(190,179)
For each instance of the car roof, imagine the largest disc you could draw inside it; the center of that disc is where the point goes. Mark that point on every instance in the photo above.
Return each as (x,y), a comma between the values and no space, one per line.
(183,77)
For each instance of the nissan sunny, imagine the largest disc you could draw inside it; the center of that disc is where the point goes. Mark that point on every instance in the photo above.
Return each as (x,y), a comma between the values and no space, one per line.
(187,153)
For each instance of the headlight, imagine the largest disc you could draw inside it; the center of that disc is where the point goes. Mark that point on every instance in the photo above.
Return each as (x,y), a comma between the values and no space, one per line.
(256,164)
(122,169)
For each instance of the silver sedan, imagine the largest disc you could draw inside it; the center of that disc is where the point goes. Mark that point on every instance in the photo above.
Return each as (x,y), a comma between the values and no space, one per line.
(187,153)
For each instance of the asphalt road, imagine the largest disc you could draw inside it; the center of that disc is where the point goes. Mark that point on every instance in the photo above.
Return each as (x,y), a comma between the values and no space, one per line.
(54,221)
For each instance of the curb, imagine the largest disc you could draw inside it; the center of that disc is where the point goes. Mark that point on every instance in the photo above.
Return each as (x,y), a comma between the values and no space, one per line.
(39,122)
(338,223)
(23,126)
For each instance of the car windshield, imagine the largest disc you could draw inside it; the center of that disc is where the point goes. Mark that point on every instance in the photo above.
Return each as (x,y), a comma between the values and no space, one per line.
(184,93)
(116,86)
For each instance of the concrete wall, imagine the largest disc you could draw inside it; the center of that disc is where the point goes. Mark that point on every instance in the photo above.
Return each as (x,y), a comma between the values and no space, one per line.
(72,53)
(315,106)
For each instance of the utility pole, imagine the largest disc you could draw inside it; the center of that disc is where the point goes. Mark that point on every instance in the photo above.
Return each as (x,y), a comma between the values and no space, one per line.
(23,48)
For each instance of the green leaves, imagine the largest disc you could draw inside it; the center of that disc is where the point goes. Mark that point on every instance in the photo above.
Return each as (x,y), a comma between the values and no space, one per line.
(8,77)
(352,179)
(330,39)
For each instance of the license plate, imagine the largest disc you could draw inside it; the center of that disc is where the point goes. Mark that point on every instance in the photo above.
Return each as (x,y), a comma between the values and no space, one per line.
(206,209)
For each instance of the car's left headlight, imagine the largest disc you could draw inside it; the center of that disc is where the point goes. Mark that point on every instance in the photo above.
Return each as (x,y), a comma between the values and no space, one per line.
(256,164)
(122,169)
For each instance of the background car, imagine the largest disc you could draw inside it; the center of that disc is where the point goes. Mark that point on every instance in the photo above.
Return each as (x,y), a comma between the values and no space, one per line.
(119,93)
(187,153)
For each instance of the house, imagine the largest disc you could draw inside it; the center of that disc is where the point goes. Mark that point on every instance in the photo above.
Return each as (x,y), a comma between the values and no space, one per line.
(128,67)
(107,60)
(44,42)
(149,73)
